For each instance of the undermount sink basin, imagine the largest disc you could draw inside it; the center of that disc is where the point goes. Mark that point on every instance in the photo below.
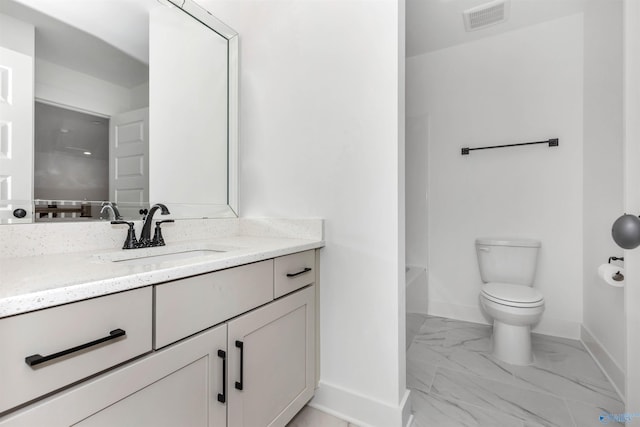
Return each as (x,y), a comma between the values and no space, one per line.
(175,256)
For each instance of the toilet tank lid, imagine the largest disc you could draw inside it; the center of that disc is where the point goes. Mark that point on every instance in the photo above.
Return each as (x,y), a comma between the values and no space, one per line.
(498,241)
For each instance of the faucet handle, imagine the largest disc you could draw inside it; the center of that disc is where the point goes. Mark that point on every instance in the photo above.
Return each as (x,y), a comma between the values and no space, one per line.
(130,242)
(158,240)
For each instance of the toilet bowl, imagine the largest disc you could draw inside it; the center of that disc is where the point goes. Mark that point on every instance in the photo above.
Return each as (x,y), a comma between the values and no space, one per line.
(513,313)
(507,267)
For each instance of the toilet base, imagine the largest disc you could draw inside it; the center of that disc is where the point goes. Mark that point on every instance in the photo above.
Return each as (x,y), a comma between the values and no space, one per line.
(512,343)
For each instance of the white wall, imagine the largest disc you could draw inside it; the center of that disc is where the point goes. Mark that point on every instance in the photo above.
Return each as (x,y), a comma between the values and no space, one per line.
(416,184)
(631,92)
(320,136)
(139,96)
(524,85)
(602,173)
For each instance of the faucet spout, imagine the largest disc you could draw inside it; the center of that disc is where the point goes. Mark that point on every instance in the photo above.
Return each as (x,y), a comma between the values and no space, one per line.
(145,236)
(111,207)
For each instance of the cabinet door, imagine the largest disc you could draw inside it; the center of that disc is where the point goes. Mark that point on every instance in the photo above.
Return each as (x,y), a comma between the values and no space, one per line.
(272,361)
(178,386)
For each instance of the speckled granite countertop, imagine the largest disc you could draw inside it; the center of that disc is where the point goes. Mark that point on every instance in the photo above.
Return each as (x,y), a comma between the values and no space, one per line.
(31,283)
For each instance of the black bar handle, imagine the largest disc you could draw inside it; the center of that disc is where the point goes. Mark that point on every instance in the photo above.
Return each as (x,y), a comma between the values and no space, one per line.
(37,359)
(239,384)
(306,270)
(222,397)
(553,142)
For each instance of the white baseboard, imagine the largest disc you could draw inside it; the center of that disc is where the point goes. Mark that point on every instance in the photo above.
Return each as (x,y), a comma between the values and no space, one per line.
(360,409)
(608,364)
(456,311)
(409,421)
(547,326)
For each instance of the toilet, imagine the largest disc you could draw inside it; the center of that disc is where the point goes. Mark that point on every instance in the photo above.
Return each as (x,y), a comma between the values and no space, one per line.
(507,269)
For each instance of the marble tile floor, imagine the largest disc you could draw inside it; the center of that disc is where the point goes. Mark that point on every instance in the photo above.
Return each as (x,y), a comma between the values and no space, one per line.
(456,382)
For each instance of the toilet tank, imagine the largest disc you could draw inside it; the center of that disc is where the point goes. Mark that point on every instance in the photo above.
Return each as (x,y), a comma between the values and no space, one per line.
(507,260)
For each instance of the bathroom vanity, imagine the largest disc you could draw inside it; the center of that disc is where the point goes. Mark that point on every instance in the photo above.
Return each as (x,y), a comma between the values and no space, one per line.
(208,337)
(215,331)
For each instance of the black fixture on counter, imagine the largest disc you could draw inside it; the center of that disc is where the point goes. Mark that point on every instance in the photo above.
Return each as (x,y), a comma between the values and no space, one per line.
(554,142)
(130,242)
(158,240)
(145,235)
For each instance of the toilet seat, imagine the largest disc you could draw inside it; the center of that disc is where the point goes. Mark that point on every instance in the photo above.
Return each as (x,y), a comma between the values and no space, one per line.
(512,295)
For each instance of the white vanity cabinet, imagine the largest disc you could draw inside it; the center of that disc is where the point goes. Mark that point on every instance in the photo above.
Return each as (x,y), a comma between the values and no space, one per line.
(227,353)
(168,388)
(270,352)
(272,361)
(187,306)
(46,350)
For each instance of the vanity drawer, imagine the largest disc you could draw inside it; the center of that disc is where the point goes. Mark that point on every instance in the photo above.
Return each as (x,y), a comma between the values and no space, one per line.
(293,272)
(52,331)
(187,306)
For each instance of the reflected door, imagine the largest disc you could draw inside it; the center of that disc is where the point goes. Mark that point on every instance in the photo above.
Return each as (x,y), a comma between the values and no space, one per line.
(129,161)
(16,135)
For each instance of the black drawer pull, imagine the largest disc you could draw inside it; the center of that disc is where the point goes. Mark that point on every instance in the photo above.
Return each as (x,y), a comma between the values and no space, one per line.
(37,359)
(239,384)
(222,397)
(306,270)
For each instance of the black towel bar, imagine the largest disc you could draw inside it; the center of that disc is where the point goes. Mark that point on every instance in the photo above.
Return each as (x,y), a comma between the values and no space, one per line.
(552,143)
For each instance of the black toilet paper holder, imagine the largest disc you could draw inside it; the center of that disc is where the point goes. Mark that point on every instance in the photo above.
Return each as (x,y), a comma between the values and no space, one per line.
(618,277)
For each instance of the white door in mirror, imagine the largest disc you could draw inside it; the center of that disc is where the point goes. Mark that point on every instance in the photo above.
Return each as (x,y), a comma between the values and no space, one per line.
(16,136)
(129,161)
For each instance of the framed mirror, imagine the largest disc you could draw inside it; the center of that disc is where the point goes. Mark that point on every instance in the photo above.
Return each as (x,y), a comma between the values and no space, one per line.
(120,103)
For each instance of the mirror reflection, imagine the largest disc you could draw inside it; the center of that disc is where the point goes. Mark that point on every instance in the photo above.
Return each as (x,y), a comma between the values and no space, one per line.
(71,157)
(76,120)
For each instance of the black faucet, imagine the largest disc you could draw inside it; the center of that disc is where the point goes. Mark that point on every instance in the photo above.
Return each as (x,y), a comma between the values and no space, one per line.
(130,242)
(109,206)
(145,235)
(158,240)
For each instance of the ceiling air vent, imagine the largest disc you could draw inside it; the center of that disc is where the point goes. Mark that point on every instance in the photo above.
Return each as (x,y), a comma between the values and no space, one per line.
(486,14)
